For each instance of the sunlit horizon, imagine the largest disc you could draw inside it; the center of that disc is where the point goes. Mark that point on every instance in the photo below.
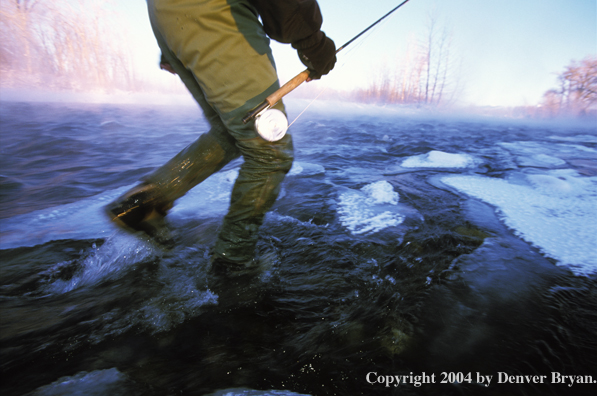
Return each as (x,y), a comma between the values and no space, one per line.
(497,57)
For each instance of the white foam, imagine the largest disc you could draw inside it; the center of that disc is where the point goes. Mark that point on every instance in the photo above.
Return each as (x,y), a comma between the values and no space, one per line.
(439,159)
(555,211)
(370,209)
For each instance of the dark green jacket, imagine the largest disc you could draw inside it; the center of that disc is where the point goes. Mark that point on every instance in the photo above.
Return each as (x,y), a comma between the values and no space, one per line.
(296,22)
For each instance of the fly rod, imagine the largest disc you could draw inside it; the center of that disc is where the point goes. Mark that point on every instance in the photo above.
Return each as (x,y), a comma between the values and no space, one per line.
(300,78)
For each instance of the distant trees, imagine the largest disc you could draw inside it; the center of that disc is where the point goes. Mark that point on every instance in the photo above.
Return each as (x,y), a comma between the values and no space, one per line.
(577,90)
(69,44)
(424,75)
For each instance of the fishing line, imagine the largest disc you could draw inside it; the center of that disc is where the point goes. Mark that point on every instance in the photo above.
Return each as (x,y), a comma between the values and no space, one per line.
(348,55)
(272,129)
(309,105)
(346,58)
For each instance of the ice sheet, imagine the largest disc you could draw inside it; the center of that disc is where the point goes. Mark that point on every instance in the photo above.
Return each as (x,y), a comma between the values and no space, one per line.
(555,211)
(85,219)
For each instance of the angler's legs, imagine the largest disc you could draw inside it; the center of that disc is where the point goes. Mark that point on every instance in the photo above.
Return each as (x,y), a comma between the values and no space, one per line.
(221,53)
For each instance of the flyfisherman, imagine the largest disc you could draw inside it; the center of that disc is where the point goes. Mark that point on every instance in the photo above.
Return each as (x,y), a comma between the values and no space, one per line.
(220,51)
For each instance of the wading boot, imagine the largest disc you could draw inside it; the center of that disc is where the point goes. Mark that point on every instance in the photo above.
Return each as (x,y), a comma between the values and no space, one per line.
(242,284)
(237,285)
(142,211)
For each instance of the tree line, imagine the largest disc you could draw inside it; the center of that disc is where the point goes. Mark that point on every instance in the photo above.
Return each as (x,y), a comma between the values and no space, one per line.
(576,94)
(80,45)
(69,44)
(83,45)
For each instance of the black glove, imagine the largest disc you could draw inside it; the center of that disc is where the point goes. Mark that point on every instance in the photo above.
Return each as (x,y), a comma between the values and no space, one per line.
(319,58)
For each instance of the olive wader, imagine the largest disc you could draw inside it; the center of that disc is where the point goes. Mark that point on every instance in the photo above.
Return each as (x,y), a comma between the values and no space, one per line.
(222,55)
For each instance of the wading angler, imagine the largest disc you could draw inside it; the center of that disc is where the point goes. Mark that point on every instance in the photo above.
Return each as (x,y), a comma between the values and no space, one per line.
(220,50)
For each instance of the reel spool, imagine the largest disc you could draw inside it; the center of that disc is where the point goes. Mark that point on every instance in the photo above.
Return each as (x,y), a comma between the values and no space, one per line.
(271,125)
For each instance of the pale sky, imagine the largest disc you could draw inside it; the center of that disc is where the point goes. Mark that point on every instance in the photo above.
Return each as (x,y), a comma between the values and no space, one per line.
(509,50)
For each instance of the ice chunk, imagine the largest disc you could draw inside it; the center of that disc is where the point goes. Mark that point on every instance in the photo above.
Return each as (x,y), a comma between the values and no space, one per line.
(541,149)
(85,219)
(439,159)
(540,160)
(305,169)
(371,209)
(381,192)
(100,382)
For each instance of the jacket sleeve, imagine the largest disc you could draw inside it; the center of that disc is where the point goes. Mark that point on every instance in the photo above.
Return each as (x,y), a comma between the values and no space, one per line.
(296,22)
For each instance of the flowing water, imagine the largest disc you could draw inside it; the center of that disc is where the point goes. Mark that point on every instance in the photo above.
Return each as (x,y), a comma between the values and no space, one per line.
(439,250)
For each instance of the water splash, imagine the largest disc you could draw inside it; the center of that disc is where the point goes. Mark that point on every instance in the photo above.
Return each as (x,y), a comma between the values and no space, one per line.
(108,261)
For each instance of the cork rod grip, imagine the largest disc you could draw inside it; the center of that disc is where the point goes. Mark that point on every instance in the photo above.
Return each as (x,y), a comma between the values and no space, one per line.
(288,87)
(274,98)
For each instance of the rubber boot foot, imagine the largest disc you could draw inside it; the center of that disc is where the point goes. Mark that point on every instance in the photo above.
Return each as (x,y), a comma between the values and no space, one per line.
(140,212)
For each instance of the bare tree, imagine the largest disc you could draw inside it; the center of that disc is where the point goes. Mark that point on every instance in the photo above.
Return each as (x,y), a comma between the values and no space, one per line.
(17,46)
(551,103)
(438,56)
(429,51)
(424,75)
(577,90)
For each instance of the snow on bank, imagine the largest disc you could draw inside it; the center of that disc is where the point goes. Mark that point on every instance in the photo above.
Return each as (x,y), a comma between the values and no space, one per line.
(554,211)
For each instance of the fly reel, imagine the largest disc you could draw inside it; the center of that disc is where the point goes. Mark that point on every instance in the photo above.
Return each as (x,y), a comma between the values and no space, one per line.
(271,125)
